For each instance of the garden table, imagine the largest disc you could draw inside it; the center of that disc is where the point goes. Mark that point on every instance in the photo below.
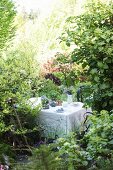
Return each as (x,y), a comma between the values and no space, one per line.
(59,120)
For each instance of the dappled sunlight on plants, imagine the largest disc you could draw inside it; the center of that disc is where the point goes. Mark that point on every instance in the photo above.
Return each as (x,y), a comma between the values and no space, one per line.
(50,59)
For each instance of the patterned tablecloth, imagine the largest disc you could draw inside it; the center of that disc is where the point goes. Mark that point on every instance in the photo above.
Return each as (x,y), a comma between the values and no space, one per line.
(61,123)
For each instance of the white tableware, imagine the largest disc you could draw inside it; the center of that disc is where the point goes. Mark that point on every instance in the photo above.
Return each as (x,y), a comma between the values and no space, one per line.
(64,104)
(75,104)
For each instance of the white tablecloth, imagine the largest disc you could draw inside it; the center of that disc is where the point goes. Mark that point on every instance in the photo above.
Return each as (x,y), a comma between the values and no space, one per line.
(60,124)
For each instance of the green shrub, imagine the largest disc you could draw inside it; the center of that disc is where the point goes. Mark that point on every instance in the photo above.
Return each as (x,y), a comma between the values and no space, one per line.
(44,158)
(5,150)
(50,90)
(17,85)
(68,71)
(91,32)
(100,137)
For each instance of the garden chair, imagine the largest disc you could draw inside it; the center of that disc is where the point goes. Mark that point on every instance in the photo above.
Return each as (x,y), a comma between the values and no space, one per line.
(83,95)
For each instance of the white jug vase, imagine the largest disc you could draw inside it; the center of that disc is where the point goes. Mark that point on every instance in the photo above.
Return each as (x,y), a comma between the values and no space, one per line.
(69,98)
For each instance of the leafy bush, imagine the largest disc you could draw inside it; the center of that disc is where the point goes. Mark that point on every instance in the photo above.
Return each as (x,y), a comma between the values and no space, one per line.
(91,32)
(5,149)
(100,136)
(18,83)
(73,156)
(95,149)
(68,71)
(103,164)
(50,90)
(44,158)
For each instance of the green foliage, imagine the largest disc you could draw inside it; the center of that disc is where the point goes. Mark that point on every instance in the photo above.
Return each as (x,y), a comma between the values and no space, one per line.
(83,92)
(19,79)
(40,39)
(93,152)
(73,156)
(100,136)
(50,90)
(91,32)
(5,149)
(95,149)
(50,32)
(68,71)
(44,158)
(27,117)
(65,69)
(103,164)
(18,75)
(7,14)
